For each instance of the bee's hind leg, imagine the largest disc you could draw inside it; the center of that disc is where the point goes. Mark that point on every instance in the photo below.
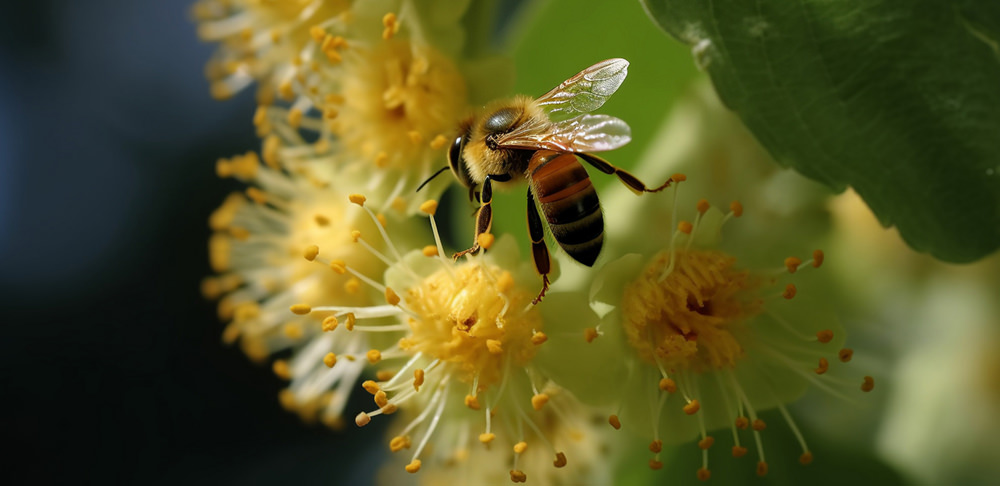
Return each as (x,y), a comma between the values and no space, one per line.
(630,181)
(539,252)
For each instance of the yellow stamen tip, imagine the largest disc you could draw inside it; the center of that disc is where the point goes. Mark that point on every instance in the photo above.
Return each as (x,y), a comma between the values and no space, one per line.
(615,422)
(539,338)
(281,369)
(517,476)
(413,466)
(381,399)
(494,346)
(692,407)
(355,235)
(685,227)
(485,240)
(704,474)
(374,356)
(739,451)
(350,321)
(759,425)
(792,264)
(338,266)
(429,207)
(656,446)
(330,359)
(430,251)
(418,379)
(655,465)
(824,365)
(703,206)
(868,385)
(845,355)
(321,220)
(590,334)
(390,409)
(520,447)
(381,160)
(357,199)
(399,443)
(384,375)
(678,177)
(560,460)
(391,297)
(371,387)
(295,117)
(439,142)
(668,385)
(539,401)
(472,402)
(789,292)
(415,136)
(762,469)
(705,443)
(312,251)
(329,323)
(362,419)
(486,438)
(824,336)
(737,208)
(292,330)
(818,257)
(300,309)
(806,458)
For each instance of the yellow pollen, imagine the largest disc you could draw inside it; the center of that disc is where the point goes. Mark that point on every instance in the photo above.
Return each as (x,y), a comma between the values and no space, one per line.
(520,447)
(845,355)
(430,251)
(868,384)
(260,116)
(742,423)
(381,219)
(824,365)
(678,177)
(739,451)
(439,142)
(495,346)
(391,297)
(287,400)
(239,233)
(668,385)
(281,369)
(415,137)
(590,334)
(352,287)
(338,266)
(350,321)
(685,227)
(759,425)
(517,476)
(560,460)
(472,402)
(384,375)
(824,336)
(330,359)
(418,378)
(312,251)
(539,401)
(321,220)
(317,32)
(357,199)
(374,356)
(295,117)
(707,442)
(692,407)
(615,422)
(703,206)
(391,24)
(806,458)
(362,419)
(371,387)
(792,264)
(381,399)
(413,466)
(381,160)
(789,292)
(691,318)
(355,235)
(399,443)
(272,144)
(486,438)
(485,240)
(285,90)
(538,338)
(429,207)
(330,112)
(818,258)
(300,309)
(762,469)
(656,446)
(737,208)
(655,465)
(704,474)
(390,409)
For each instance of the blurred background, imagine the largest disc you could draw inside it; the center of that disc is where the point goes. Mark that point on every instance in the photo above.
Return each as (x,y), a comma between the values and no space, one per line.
(112,366)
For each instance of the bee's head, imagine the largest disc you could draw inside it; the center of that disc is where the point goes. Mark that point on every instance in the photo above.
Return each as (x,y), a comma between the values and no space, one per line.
(455,158)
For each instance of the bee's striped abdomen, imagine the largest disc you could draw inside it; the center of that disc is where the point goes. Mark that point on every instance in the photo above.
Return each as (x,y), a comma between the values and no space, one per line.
(569,202)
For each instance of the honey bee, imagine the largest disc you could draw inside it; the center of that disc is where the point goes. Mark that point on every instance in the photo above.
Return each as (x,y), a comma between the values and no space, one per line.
(542,141)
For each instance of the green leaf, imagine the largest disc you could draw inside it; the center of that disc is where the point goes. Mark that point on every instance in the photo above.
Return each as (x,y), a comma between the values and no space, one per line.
(898,99)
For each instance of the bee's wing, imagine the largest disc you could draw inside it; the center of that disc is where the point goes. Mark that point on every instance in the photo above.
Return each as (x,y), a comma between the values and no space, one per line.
(584,133)
(586,91)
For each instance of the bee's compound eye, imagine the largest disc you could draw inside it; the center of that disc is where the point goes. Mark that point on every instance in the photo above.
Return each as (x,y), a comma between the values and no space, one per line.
(502,120)
(457,162)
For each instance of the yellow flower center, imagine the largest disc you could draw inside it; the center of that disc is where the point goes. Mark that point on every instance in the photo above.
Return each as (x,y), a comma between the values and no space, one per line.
(473,318)
(397,98)
(690,318)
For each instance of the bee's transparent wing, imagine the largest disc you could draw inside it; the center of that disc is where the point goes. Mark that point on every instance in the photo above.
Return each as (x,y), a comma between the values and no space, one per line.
(586,91)
(584,133)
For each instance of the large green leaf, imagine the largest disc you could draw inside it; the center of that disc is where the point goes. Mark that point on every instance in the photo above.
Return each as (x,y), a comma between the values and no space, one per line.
(898,99)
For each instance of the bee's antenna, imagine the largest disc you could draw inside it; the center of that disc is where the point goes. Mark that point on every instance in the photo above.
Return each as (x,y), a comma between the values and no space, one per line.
(432,177)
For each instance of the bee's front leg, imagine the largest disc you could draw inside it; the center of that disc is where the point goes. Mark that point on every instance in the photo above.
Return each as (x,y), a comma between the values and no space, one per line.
(484,218)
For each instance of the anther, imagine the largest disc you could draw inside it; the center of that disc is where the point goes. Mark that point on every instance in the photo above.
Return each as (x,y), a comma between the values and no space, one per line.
(472,402)
(494,346)
(485,240)
(312,251)
(678,177)
(668,385)
(381,399)
(292,330)
(300,309)
(399,443)
(517,476)
(329,323)
(705,443)
(759,425)
(439,142)
(429,207)
(430,251)
(415,136)
(845,354)
(487,437)
(295,117)
(391,297)
(868,385)
(281,370)
(520,447)
(656,446)
(338,266)
(413,466)
(817,258)
(538,338)
(655,465)
(391,24)
(384,375)
(330,359)
(317,32)
(355,235)
(792,264)
(692,407)
(590,334)
(806,458)
(789,292)
(538,401)
(762,469)
(362,419)
(737,208)
(703,206)
(704,474)
(739,451)
(357,199)
(374,356)
(560,460)
(742,423)
(381,160)
(685,227)
(615,422)
(350,321)
(371,387)
(287,399)
(321,220)
(824,336)
(824,365)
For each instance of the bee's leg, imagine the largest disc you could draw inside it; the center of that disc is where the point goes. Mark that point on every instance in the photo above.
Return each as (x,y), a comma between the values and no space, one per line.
(630,181)
(484,218)
(539,252)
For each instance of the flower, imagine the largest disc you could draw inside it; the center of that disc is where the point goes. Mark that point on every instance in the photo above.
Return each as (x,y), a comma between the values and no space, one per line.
(711,344)
(457,344)
(271,248)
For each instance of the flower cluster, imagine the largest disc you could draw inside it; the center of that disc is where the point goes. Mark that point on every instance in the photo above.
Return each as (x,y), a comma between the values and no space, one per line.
(328,257)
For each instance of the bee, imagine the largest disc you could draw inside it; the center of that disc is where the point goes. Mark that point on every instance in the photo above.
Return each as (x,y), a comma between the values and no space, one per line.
(542,141)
